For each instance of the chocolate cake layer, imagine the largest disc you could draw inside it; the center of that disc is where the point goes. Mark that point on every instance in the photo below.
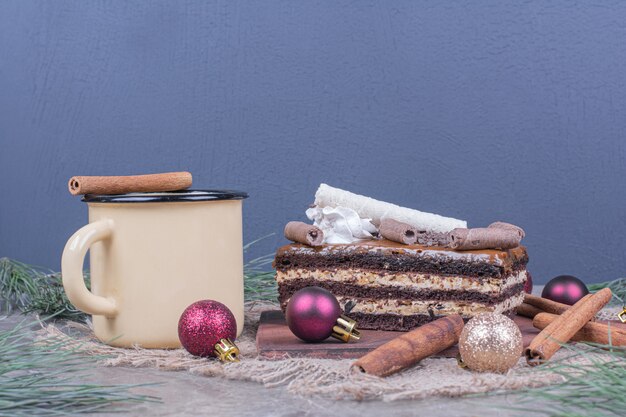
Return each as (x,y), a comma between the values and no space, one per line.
(395,322)
(383,255)
(389,322)
(287,288)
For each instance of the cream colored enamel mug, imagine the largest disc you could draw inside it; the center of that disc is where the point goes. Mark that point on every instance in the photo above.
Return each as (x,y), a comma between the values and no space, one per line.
(152,255)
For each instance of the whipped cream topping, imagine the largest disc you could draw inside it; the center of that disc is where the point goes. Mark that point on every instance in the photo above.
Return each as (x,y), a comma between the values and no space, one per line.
(341,224)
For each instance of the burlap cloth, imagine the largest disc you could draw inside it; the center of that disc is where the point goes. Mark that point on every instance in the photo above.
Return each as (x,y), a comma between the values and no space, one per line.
(315,377)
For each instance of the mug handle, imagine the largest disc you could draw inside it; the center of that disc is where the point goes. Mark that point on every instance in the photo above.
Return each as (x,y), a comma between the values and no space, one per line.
(72,269)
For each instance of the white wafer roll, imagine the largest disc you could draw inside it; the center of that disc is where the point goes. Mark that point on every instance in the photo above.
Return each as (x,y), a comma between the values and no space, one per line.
(373,209)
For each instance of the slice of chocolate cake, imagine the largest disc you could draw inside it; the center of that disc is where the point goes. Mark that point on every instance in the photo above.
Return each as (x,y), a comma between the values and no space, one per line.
(392,286)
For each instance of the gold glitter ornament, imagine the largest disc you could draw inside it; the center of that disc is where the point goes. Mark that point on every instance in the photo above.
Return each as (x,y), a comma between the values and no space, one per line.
(490,342)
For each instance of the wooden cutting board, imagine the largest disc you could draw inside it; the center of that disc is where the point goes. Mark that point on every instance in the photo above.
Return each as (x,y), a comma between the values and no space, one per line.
(275,341)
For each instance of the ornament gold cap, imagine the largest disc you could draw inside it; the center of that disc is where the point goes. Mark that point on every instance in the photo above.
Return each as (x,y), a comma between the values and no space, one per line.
(227,351)
(622,316)
(345,329)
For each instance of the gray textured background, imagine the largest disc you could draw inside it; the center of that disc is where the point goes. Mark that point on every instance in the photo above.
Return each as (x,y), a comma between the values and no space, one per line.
(497,110)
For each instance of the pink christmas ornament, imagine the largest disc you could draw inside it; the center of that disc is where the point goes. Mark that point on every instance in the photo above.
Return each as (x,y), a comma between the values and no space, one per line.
(207,328)
(565,289)
(313,314)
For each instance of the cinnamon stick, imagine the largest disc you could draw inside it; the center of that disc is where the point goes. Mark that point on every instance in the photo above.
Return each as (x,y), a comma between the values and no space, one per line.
(304,233)
(528,310)
(594,332)
(397,231)
(483,238)
(410,348)
(561,330)
(546,305)
(169,181)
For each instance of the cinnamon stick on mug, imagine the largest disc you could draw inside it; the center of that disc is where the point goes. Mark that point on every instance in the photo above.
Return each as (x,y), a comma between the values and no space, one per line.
(410,348)
(169,181)
(562,329)
(593,332)
(397,231)
(304,233)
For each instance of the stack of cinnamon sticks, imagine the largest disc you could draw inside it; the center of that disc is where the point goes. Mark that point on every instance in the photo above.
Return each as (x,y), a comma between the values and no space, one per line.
(561,323)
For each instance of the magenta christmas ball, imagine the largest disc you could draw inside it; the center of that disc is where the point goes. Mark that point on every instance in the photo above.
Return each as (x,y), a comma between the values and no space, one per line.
(565,289)
(311,314)
(203,325)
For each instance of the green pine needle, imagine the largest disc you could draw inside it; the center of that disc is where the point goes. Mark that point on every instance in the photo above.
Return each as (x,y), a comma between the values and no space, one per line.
(618,287)
(37,380)
(596,388)
(31,289)
(17,284)
(258,276)
(51,300)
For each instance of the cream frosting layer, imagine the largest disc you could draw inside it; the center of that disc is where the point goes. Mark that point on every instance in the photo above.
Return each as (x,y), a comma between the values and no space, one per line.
(408,307)
(410,280)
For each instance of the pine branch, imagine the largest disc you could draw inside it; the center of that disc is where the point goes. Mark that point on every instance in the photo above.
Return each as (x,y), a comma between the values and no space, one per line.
(593,388)
(37,380)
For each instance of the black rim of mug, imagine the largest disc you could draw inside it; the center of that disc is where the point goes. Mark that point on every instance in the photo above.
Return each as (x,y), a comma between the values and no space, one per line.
(166,196)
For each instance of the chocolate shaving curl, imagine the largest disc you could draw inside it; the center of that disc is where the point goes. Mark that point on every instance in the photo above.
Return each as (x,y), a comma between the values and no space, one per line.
(508,226)
(397,231)
(483,238)
(306,234)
